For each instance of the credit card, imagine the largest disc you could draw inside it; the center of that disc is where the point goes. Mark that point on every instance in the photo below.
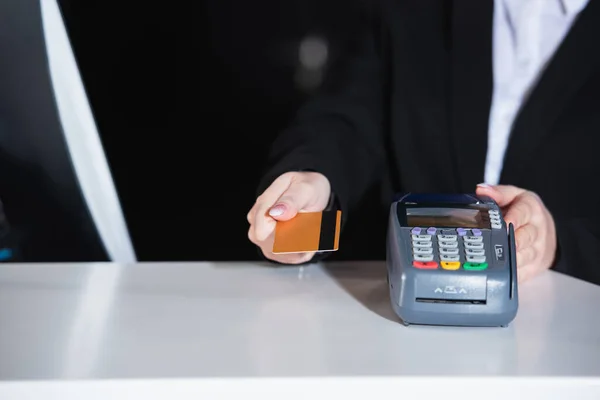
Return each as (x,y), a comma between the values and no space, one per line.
(308,232)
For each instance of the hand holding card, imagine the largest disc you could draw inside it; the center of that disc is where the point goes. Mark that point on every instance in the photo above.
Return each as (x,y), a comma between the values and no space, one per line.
(289,198)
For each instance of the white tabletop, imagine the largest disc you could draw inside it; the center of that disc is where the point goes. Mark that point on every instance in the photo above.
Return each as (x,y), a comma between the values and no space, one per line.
(213,323)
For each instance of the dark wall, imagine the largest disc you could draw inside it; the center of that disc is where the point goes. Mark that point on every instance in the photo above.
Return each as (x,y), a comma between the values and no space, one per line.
(187,100)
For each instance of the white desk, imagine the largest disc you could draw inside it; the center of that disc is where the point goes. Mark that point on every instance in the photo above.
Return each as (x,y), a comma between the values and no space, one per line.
(169,330)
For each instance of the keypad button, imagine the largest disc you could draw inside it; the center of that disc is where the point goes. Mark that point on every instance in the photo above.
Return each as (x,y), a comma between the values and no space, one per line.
(425,264)
(473,239)
(431,231)
(447,238)
(448,257)
(449,251)
(473,252)
(422,244)
(421,237)
(451,265)
(423,257)
(422,250)
(494,212)
(496,225)
(449,245)
(473,245)
(476,259)
(461,231)
(416,231)
(469,266)
(476,232)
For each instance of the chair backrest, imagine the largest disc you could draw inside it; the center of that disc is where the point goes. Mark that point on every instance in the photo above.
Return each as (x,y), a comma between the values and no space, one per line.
(52,165)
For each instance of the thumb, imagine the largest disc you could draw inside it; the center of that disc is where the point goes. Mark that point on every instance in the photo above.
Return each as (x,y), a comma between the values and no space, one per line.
(502,194)
(296,198)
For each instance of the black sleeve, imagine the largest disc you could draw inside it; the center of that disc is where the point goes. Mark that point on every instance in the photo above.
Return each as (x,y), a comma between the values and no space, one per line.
(578,249)
(340,132)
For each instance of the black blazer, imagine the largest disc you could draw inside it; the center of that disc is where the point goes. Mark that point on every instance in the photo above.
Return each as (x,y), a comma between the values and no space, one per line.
(409,109)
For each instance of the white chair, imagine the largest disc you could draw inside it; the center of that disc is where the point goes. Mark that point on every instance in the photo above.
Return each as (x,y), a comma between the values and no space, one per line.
(53,128)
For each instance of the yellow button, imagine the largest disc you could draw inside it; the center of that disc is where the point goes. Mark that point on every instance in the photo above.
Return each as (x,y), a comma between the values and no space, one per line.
(450,264)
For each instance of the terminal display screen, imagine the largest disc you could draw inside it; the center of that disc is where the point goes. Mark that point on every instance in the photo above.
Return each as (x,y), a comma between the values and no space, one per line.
(447,217)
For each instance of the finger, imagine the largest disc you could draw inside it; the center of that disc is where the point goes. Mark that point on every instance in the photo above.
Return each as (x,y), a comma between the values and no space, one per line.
(293,259)
(275,190)
(525,273)
(263,224)
(525,236)
(252,236)
(295,199)
(526,257)
(250,215)
(519,213)
(503,195)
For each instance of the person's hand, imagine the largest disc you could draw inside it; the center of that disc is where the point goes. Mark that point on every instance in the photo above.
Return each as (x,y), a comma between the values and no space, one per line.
(535,232)
(289,194)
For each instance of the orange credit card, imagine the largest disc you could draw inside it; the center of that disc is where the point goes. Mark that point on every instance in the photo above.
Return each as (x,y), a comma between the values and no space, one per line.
(308,232)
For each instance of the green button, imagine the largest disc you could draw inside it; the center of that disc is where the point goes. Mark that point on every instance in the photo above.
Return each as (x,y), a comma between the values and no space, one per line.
(475,266)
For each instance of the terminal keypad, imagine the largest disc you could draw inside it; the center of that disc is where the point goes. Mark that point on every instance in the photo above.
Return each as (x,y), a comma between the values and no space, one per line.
(448,249)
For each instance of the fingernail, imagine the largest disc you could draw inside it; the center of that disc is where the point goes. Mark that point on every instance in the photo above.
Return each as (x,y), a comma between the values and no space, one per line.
(277,210)
(484,185)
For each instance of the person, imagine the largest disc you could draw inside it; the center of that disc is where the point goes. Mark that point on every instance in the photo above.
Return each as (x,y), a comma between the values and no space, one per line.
(501,98)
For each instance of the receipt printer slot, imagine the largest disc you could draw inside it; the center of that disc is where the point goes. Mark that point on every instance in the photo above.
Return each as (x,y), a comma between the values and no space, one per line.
(451,287)
(449,301)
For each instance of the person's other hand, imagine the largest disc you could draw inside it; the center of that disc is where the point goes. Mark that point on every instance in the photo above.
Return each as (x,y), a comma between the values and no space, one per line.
(535,232)
(289,194)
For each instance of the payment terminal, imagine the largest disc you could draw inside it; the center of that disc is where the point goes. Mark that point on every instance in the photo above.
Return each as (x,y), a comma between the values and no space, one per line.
(451,261)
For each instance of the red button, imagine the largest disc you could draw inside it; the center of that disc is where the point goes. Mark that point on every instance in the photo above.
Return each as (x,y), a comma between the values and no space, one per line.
(425,264)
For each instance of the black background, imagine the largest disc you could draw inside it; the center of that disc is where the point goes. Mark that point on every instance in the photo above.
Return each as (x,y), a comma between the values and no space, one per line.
(187,99)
